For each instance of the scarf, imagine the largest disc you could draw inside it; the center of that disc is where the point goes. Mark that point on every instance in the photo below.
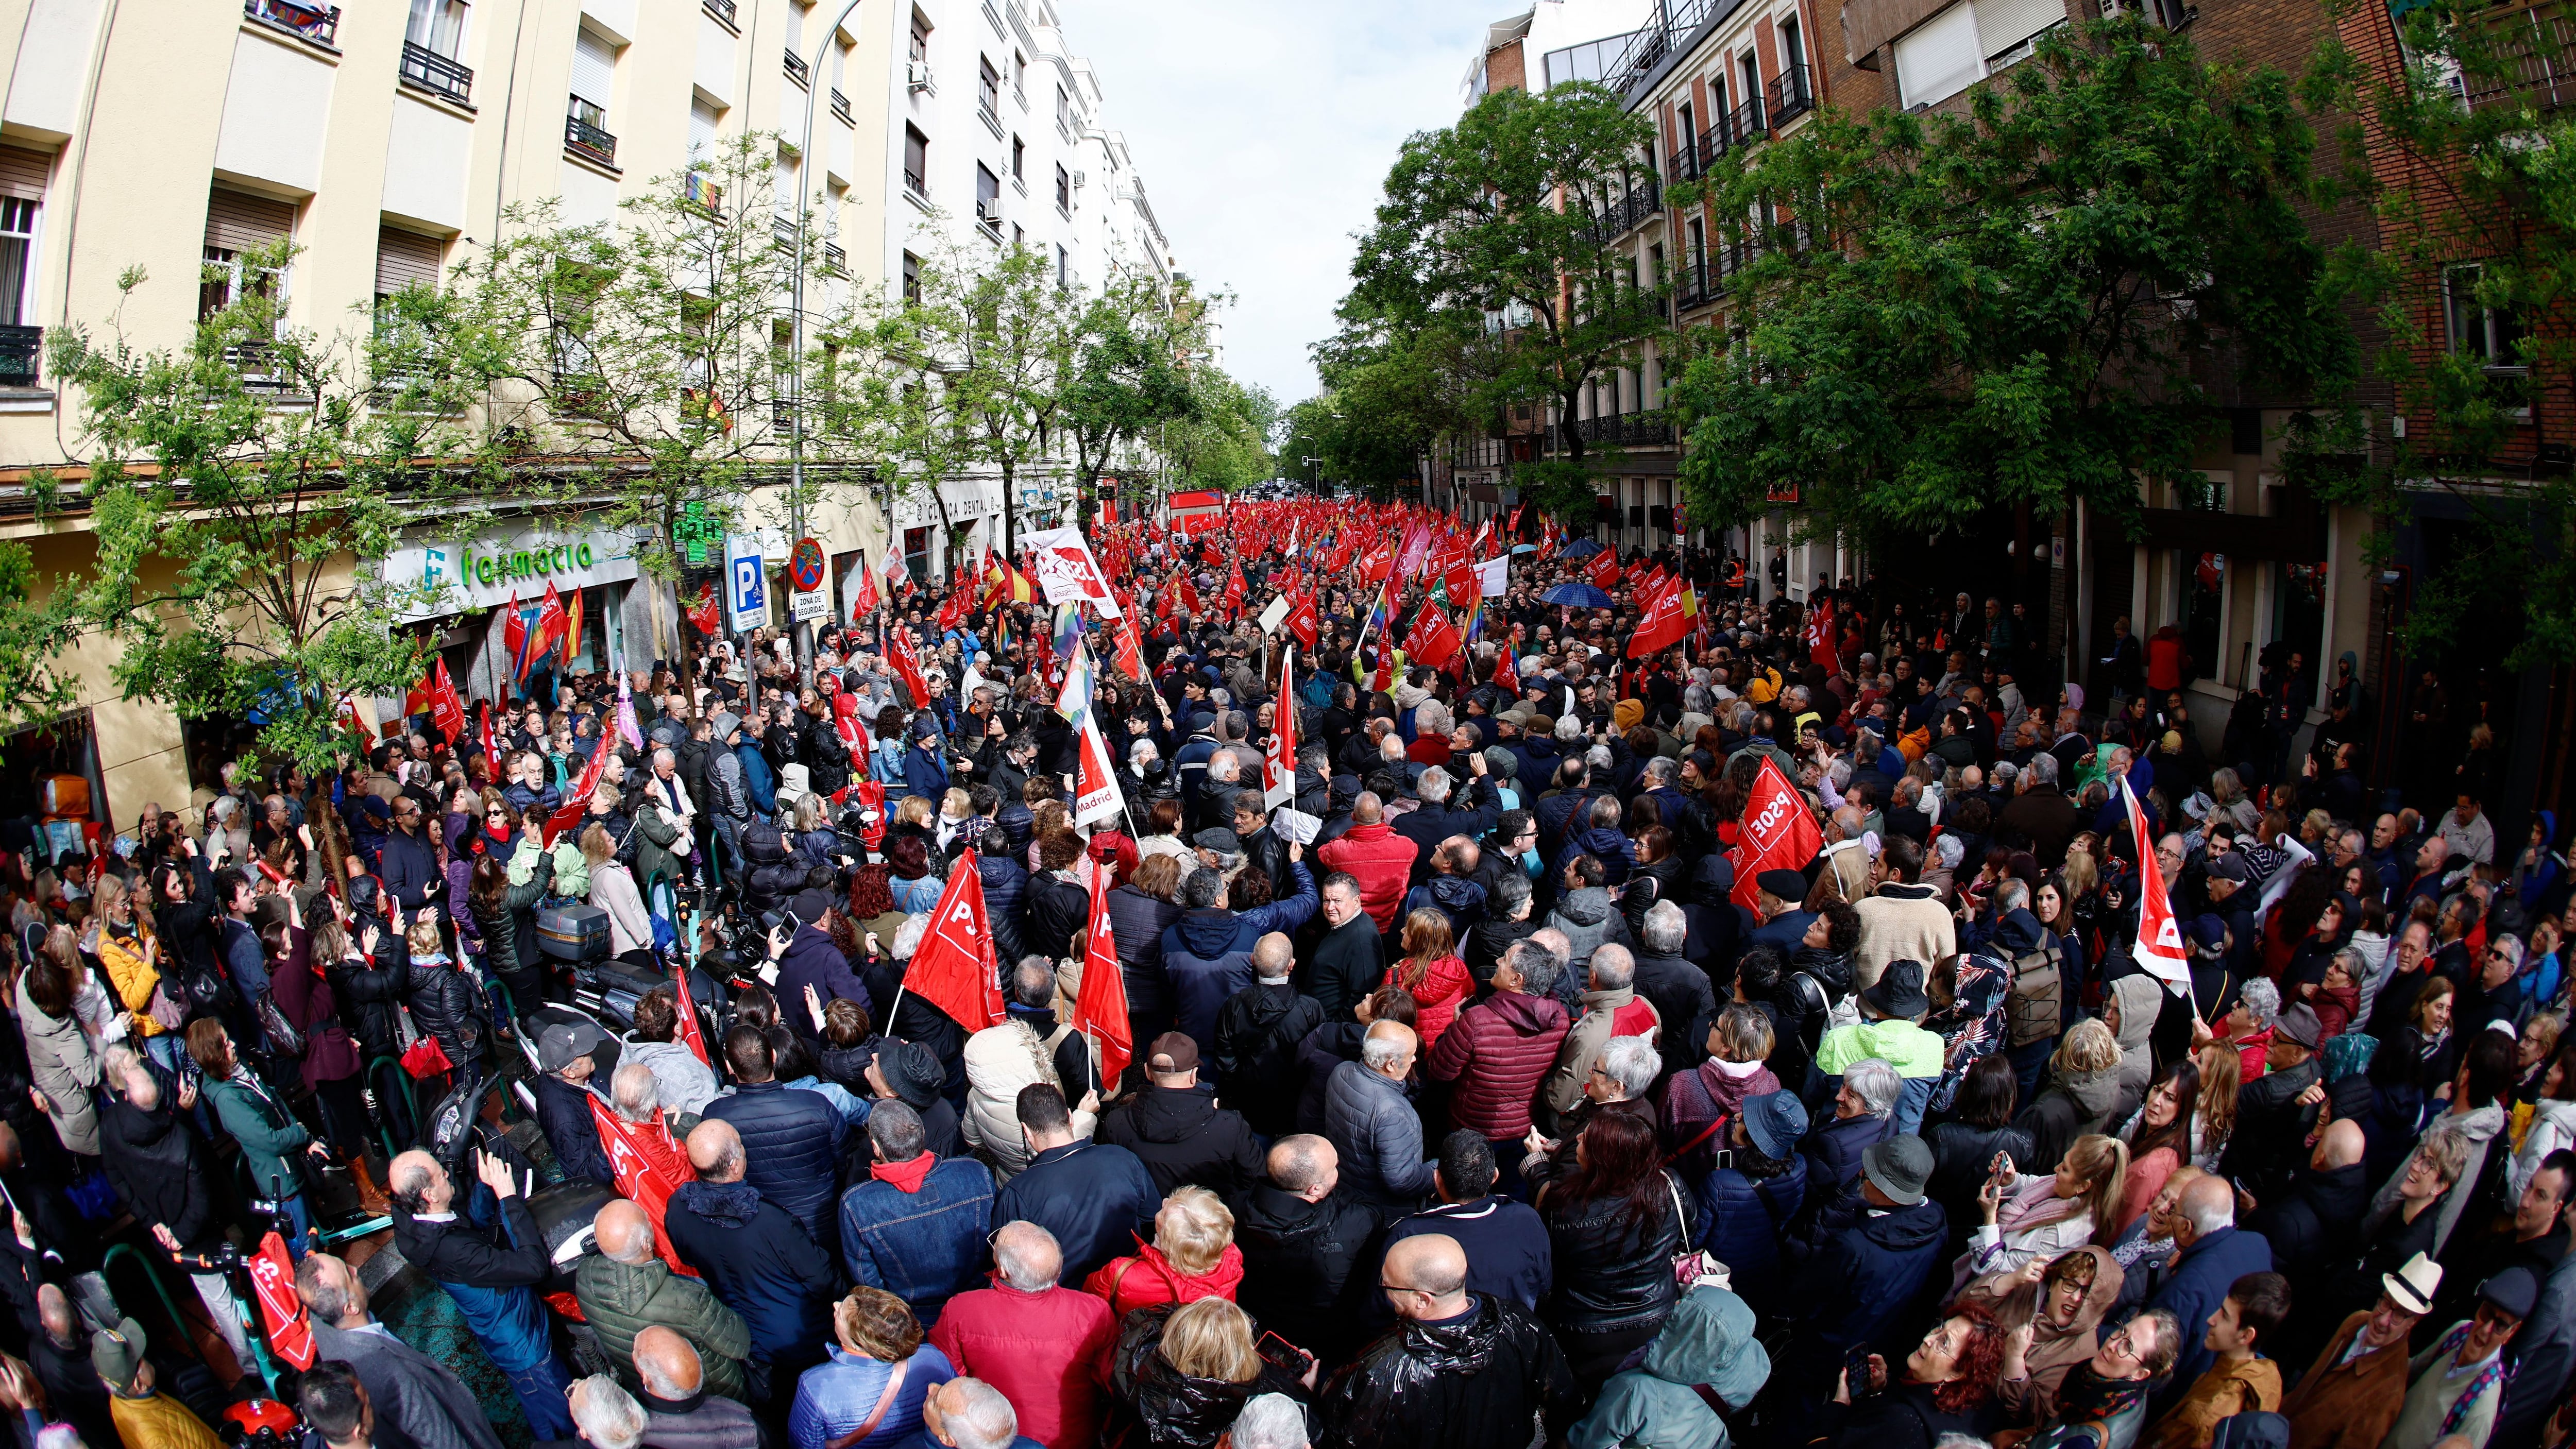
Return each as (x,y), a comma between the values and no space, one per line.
(2087,1395)
(906,1175)
(2494,1374)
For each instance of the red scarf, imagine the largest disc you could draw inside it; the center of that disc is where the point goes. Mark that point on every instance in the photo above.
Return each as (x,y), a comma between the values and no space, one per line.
(906,1175)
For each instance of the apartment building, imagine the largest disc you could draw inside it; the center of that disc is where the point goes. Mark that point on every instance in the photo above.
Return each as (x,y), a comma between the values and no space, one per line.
(387,140)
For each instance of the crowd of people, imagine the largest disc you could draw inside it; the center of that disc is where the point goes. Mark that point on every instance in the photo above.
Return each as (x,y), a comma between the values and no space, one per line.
(1487,1074)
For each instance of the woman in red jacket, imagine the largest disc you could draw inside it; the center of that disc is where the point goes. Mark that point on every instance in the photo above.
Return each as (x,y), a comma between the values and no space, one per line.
(1432,972)
(1193,1256)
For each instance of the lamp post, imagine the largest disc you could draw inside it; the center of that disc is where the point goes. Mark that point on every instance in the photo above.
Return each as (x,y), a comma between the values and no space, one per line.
(804,631)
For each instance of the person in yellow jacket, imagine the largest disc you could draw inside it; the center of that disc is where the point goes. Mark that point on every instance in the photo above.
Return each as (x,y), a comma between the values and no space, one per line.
(132,962)
(2241,1380)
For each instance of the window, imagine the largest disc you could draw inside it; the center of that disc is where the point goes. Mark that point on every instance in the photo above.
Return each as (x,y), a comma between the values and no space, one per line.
(1750,68)
(1792,49)
(1063,267)
(2492,335)
(911,278)
(988,87)
(1683,117)
(1019,159)
(2006,28)
(1019,78)
(917,50)
(916,162)
(1939,58)
(238,222)
(1063,190)
(437,26)
(1019,238)
(988,199)
(594,66)
(22,189)
(702,131)
(1063,112)
(405,259)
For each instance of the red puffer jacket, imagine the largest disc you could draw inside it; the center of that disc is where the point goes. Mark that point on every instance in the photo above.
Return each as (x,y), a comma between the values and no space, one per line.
(1498,1053)
(1380,860)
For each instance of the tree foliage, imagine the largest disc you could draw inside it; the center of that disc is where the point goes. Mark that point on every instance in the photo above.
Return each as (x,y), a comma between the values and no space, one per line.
(2038,300)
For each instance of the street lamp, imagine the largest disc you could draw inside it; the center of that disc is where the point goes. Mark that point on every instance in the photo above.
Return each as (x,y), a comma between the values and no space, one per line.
(804,632)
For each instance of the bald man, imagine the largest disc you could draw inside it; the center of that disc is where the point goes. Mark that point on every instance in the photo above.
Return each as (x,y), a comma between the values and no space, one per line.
(1301,1239)
(490,1272)
(1045,1346)
(414,1394)
(1374,1130)
(679,1413)
(59,1353)
(2325,1205)
(2214,1253)
(757,1258)
(1405,1387)
(625,1288)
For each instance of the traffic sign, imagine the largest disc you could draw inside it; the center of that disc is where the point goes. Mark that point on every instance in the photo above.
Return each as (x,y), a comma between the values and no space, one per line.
(746,582)
(805,565)
(809,605)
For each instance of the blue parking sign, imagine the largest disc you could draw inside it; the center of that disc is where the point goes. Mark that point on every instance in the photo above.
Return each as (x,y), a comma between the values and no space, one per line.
(747,581)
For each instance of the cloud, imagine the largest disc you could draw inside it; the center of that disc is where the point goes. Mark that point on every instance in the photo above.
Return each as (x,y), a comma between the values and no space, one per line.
(1264,133)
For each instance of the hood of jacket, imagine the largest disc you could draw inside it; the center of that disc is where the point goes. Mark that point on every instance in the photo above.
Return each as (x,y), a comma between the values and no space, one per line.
(1523,1014)
(1375,831)
(726,1204)
(1209,933)
(1600,842)
(2092,1091)
(147,1134)
(1710,881)
(2479,1125)
(1906,1229)
(1171,1114)
(1708,1339)
(2019,932)
(1457,894)
(1217,1282)
(1585,906)
(2140,999)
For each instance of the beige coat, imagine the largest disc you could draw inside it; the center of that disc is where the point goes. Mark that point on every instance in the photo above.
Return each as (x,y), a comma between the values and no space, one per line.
(64,1062)
(1902,923)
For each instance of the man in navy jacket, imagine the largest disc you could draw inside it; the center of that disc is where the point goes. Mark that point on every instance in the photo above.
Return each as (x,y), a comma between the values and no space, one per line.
(2214,1253)
(1097,1198)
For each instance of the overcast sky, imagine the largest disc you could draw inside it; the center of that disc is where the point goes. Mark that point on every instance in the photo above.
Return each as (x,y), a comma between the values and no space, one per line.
(1264,132)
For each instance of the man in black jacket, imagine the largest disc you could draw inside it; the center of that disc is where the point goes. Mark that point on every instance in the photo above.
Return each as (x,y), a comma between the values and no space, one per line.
(2271,1121)
(412,1392)
(1257,1031)
(1347,958)
(1177,1129)
(2313,1224)
(792,1137)
(1300,1242)
(489,1262)
(756,1258)
(566,1064)
(1461,1369)
(1473,812)
(1094,1196)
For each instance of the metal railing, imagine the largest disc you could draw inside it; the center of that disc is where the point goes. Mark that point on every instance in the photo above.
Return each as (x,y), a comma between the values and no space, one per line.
(1644,426)
(257,364)
(590,140)
(783,229)
(317,23)
(426,69)
(1629,212)
(841,106)
(915,187)
(797,70)
(1745,124)
(2535,48)
(722,10)
(22,350)
(1646,48)
(835,260)
(1791,95)
(1480,453)
(1690,282)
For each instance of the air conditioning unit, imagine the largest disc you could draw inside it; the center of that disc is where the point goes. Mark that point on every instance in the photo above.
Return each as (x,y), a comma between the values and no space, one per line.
(989,211)
(916,75)
(1081,179)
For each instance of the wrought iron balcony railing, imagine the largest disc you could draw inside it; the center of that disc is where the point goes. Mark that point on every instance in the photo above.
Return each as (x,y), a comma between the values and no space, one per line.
(21,352)
(590,140)
(426,69)
(317,23)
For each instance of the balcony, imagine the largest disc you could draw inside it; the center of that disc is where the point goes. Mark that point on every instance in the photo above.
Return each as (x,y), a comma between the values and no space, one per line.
(317,23)
(1791,95)
(257,364)
(587,139)
(797,71)
(782,229)
(915,187)
(723,10)
(2534,48)
(1745,125)
(835,261)
(1635,428)
(1641,204)
(841,107)
(1686,163)
(427,70)
(21,351)
(1690,283)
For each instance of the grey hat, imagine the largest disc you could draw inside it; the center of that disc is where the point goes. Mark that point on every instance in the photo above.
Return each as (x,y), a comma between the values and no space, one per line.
(2298,1023)
(2232,866)
(1502,763)
(2512,1291)
(564,1043)
(117,1353)
(1218,839)
(1900,1166)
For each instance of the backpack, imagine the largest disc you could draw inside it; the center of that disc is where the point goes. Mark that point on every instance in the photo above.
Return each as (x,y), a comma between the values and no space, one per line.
(763,843)
(2035,1007)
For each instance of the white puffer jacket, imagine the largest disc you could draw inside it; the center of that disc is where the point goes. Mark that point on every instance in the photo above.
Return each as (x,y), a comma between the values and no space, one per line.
(1000,1060)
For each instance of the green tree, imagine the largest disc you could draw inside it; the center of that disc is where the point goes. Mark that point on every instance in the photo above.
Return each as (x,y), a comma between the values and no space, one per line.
(2034,301)
(637,366)
(1223,442)
(243,489)
(1003,338)
(2471,284)
(1129,374)
(1491,263)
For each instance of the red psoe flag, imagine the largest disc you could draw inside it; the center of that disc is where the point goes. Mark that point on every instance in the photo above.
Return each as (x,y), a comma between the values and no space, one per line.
(1303,623)
(1131,654)
(577,804)
(649,1166)
(272,1279)
(690,1035)
(2159,950)
(1778,832)
(446,706)
(1279,762)
(1604,570)
(906,661)
(1434,640)
(550,622)
(1095,794)
(1663,625)
(953,969)
(1100,1007)
(863,600)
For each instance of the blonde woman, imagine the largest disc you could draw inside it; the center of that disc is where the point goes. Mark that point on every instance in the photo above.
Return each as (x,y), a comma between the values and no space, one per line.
(2083,1085)
(1193,1256)
(2029,1216)
(131,961)
(1188,1371)
(612,889)
(2214,1121)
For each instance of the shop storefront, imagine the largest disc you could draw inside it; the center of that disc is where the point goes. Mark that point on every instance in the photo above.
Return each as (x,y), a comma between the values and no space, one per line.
(464,586)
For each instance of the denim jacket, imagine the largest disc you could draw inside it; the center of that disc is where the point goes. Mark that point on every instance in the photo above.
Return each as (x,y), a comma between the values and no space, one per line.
(923,1247)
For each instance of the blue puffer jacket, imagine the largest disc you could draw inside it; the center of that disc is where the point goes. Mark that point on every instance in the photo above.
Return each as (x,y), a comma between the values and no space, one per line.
(1740,1220)
(812,959)
(1006,889)
(1096,1198)
(761,1264)
(1207,955)
(1833,1151)
(836,1396)
(1864,1281)
(924,773)
(923,1247)
(791,1142)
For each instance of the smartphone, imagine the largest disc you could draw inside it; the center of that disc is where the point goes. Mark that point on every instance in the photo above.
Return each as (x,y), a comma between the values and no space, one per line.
(1856,1371)
(1274,1349)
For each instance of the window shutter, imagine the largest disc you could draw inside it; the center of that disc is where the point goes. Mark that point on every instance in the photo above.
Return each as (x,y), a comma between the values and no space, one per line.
(23,172)
(237,221)
(404,258)
(2003,24)
(702,130)
(593,65)
(1940,58)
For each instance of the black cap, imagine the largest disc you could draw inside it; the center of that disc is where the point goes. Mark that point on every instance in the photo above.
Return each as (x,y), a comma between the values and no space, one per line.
(1788,885)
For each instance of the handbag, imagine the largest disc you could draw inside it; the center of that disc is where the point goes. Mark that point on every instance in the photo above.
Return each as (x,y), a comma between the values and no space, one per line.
(163,1009)
(425,1058)
(283,1038)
